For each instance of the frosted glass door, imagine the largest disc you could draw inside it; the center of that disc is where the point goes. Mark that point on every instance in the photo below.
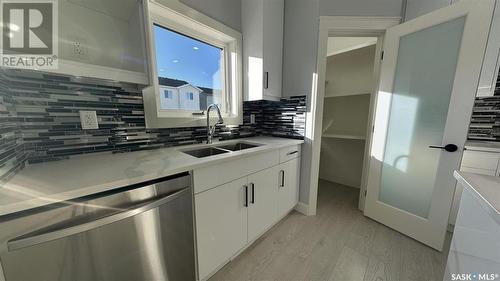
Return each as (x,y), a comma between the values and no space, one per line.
(428,80)
(425,72)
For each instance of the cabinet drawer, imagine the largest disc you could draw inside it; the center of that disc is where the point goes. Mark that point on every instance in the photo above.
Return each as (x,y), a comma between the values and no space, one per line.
(478,171)
(480,160)
(289,153)
(215,175)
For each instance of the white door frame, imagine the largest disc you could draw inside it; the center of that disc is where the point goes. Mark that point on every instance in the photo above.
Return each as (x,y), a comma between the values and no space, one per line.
(341,26)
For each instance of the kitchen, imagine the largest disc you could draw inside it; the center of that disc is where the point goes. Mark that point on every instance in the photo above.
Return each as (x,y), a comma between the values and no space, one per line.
(173,140)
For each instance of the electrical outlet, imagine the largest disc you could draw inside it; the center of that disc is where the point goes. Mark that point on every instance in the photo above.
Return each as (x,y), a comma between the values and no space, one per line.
(88,119)
(252,118)
(78,48)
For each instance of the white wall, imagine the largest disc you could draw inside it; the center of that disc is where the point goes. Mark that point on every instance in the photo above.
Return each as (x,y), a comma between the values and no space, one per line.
(350,72)
(300,50)
(226,11)
(361,7)
(415,8)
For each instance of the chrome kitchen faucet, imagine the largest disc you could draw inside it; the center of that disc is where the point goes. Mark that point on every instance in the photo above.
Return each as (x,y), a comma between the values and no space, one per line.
(211,131)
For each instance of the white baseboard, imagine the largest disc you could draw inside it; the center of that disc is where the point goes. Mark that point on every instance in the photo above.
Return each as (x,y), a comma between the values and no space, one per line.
(302,208)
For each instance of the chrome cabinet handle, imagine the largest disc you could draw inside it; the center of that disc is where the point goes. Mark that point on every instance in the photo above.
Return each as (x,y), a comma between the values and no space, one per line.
(449,147)
(38,237)
(292,152)
(282,178)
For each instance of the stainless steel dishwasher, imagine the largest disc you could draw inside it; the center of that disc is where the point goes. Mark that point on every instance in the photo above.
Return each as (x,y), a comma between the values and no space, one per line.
(141,232)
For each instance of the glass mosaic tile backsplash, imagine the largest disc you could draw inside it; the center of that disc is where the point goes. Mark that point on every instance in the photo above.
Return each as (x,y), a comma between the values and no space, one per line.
(485,122)
(39,120)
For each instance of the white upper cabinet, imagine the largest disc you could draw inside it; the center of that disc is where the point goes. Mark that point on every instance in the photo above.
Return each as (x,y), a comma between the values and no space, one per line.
(103,39)
(262,22)
(489,72)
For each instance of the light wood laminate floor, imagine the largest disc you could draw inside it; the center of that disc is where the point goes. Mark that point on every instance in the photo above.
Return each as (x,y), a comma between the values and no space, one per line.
(339,243)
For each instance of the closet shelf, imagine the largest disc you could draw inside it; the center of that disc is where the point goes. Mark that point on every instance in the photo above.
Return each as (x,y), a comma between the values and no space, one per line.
(345,95)
(344,136)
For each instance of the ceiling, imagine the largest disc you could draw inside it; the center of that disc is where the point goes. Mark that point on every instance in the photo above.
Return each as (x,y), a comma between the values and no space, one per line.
(337,45)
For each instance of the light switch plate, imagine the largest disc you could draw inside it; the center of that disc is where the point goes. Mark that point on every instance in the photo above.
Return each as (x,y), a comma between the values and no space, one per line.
(88,120)
(252,118)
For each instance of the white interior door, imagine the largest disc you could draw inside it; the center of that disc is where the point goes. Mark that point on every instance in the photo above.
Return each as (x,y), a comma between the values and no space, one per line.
(428,81)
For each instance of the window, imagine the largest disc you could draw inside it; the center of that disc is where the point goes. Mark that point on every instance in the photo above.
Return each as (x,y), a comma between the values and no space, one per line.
(199,60)
(168,94)
(184,62)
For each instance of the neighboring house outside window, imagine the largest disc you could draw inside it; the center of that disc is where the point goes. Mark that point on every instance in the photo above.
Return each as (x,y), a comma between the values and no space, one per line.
(184,95)
(208,97)
(170,97)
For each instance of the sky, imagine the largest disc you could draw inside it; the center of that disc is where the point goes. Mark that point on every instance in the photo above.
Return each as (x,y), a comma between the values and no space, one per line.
(183,58)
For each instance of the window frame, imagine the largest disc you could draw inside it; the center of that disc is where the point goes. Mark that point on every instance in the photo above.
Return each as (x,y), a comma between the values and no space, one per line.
(168,94)
(179,18)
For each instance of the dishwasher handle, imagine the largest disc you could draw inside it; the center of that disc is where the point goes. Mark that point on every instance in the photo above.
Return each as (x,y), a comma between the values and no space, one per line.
(35,238)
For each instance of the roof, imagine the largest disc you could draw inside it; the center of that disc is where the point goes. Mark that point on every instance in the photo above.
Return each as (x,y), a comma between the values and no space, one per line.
(165,81)
(207,91)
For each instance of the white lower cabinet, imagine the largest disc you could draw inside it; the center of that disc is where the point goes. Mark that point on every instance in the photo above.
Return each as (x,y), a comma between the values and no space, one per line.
(288,188)
(221,224)
(262,208)
(233,215)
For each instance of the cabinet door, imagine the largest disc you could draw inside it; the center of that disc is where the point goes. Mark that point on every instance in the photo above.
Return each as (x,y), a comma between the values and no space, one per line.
(489,71)
(262,209)
(288,190)
(273,48)
(221,224)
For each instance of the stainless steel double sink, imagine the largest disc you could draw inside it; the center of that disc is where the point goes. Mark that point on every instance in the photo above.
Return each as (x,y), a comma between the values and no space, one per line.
(219,149)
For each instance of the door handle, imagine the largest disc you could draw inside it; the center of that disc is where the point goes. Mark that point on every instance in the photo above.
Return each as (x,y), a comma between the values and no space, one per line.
(41,236)
(253,193)
(449,147)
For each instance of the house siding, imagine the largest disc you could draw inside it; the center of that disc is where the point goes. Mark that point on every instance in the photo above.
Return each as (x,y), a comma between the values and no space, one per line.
(187,104)
(172,103)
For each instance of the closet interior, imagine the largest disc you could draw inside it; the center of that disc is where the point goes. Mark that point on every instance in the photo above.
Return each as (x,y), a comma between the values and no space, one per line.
(347,109)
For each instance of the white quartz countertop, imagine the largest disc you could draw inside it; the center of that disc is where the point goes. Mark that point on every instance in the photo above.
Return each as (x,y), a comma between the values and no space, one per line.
(486,188)
(487,146)
(51,182)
